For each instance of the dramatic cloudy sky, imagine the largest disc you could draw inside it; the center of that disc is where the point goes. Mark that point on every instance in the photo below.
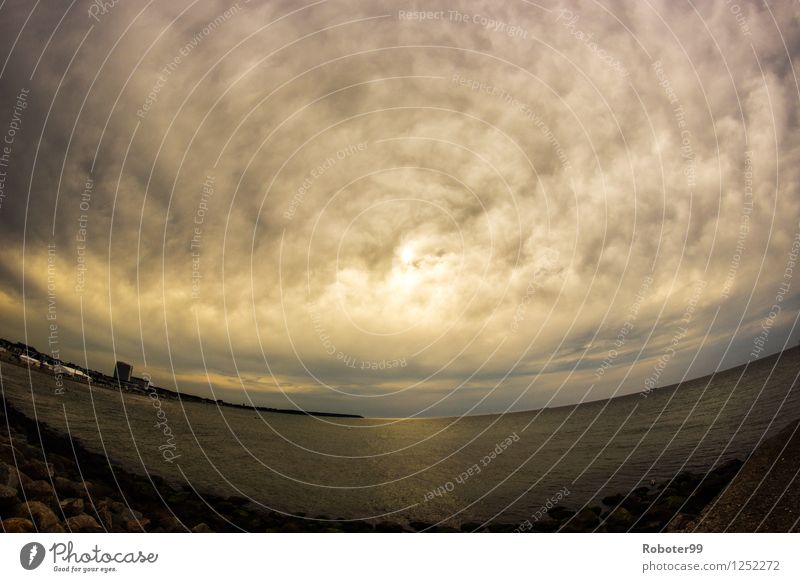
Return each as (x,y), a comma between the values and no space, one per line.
(502,205)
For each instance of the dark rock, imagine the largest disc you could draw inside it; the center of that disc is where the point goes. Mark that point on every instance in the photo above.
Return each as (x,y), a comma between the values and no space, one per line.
(83,523)
(544,526)
(18,525)
(635,505)
(672,503)
(613,500)
(105,516)
(171,524)
(679,523)
(687,487)
(96,489)
(8,475)
(619,520)
(131,519)
(657,513)
(445,529)
(41,491)
(648,527)
(72,506)
(177,499)
(66,488)
(8,497)
(139,525)
(201,528)
(560,513)
(388,527)
(62,465)
(584,521)
(117,507)
(8,454)
(38,470)
(43,516)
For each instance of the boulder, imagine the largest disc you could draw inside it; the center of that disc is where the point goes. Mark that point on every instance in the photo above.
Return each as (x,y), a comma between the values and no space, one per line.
(96,490)
(544,526)
(117,507)
(83,523)
(18,525)
(560,513)
(8,497)
(201,528)
(171,524)
(8,454)
(613,500)
(43,516)
(672,503)
(72,506)
(105,515)
(583,521)
(620,519)
(63,465)
(680,523)
(8,475)
(36,469)
(136,525)
(41,491)
(66,488)
(382,527)
(636,505)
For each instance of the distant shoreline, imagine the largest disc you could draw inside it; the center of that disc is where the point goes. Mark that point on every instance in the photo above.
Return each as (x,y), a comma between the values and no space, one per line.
(100,380)
(12,353)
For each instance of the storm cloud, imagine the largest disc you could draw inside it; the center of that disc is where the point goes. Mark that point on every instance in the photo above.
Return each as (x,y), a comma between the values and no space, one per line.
(401,208)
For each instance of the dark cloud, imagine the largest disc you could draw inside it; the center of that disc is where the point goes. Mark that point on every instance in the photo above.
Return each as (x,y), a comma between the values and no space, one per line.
(478,195)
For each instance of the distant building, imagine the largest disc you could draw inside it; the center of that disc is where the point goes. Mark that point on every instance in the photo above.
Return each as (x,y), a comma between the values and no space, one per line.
(123,371)
(141,383)
(30,361)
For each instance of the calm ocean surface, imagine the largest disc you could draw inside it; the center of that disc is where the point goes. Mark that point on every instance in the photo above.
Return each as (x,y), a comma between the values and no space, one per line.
(375,468)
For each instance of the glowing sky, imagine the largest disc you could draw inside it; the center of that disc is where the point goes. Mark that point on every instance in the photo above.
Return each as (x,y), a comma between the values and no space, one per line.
(351,206)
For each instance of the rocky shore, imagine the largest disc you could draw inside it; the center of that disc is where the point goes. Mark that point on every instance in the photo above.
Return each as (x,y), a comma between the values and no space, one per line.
(669,506)
(70,489)
(765,494)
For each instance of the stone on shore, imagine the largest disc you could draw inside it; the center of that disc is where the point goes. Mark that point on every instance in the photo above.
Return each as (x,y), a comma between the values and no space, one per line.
(72,506)
(41,491)
(18,525)
(66,488)
(83,524)
(43,516)
(8,497)
(38,470)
